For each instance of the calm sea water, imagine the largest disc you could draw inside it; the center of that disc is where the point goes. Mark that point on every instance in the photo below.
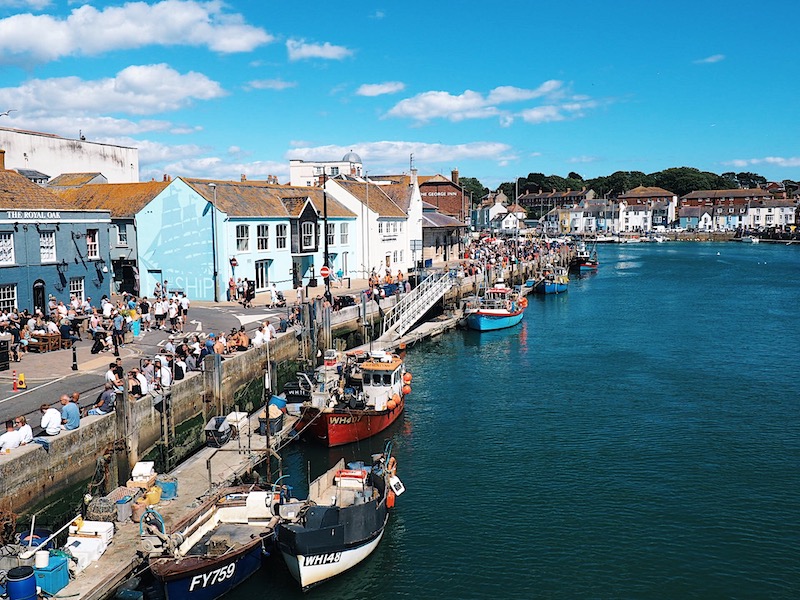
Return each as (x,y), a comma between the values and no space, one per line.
(638,437)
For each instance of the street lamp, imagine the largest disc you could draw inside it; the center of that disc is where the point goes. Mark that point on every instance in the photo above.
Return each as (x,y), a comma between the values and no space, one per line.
(213,187)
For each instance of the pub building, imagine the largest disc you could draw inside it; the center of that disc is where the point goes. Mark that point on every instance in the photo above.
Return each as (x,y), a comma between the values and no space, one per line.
(47,247)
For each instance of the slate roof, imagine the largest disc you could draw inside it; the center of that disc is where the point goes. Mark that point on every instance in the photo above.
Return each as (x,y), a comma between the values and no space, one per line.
(121,199)
(32,174)
(19,192)
(435,219)
(262,199)
(369,193)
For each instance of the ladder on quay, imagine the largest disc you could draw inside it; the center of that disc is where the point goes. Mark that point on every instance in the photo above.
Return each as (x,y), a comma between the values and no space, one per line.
(413,306)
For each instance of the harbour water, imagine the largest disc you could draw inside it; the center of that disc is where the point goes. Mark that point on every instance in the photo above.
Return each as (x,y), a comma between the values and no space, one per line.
(638,437)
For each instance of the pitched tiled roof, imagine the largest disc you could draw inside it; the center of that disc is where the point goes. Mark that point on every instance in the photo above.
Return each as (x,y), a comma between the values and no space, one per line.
(645,192)
(369,193)
(18,192)
(737,193)
(400,193)
(72,179)
(262,199)
(122,199)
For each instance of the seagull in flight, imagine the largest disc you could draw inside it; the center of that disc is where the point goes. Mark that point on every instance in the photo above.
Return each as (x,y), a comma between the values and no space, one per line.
(10,110)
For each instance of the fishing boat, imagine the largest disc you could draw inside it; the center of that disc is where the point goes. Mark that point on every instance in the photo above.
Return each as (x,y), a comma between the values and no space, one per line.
(352,397)
(498,308)
(750,239)
(554,281)
(214,548)
(342,521)
(585,260)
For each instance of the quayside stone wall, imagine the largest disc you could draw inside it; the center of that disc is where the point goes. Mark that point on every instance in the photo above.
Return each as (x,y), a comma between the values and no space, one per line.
(30,475)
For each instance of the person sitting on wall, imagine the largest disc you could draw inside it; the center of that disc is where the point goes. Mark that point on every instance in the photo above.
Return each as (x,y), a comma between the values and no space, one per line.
(70,414)
(10,439)
(51,420)
(25,431)
(105,401)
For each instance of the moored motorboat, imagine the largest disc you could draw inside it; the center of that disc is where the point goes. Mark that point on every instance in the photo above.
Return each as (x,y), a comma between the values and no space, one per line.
(554,281)
(354,397)
(500,307)
(216,547)
(342,521)
(750,239)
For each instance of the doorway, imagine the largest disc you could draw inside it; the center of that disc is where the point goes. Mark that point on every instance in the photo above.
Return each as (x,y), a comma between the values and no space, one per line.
(39,302)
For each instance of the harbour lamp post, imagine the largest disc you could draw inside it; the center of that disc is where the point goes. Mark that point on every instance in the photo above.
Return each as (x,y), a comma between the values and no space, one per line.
(213,208)
(325,233)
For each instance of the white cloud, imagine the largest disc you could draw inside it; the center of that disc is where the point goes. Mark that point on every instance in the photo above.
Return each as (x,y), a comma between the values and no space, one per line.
(300,50)
(31,4)
(474,105)
(214,167)
(714,58)
(378,14)
(93,127)
(270,84)
(89,31)
(778,161)
(582,159)
(378,89)
(393,155)
(138,89)
(557,112)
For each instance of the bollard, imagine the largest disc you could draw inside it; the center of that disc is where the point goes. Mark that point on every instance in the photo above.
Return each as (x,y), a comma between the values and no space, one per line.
(14,379)
(74,358)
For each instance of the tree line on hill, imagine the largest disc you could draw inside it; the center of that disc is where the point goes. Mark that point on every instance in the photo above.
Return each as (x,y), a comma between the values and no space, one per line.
(679,180)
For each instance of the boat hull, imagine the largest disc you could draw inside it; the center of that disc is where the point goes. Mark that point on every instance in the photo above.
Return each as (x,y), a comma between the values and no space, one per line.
(346,427)
(549,287)
(207,578)
(313,570)
(488,321)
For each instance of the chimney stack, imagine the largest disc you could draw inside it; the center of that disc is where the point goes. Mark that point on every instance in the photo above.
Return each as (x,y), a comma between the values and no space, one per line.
(2,160)
(454,176)
(414,176)
(243,178)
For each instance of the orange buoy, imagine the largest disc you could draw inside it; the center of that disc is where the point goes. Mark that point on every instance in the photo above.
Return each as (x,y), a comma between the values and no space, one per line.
(391,405)
(396,398)
(390,499)
(407,377)
(406,390)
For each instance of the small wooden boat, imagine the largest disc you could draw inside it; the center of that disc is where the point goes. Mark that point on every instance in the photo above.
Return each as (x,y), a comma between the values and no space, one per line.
(353,398)
(214,548)
(342,521)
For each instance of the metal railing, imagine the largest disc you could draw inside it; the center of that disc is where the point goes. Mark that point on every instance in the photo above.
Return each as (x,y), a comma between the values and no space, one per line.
(413,306)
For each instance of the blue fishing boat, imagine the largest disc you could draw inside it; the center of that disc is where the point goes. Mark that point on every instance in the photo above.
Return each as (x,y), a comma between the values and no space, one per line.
(555,281)
(216,547)
(499,308)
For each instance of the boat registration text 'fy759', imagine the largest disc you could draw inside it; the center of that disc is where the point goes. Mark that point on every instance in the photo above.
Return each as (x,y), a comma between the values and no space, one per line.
(213,577)
(321,559)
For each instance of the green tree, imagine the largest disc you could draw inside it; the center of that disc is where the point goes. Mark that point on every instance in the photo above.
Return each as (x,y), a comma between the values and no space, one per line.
(473,189)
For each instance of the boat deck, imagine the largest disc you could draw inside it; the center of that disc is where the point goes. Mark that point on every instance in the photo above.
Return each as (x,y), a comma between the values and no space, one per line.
(220,465)
(225,537)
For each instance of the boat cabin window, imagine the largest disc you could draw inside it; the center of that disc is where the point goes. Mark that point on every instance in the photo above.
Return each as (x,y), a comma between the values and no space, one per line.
(367,378)
(387,379)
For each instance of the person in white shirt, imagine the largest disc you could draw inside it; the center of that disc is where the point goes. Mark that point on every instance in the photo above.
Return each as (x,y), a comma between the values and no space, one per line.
(170,345)
(86,307)
(142,381)
(107,308)
(51,420)
(11,438)
(162,376)
(258,338)
(25,431)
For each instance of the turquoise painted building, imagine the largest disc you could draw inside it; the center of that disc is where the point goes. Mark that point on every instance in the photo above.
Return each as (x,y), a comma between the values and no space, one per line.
(197,234)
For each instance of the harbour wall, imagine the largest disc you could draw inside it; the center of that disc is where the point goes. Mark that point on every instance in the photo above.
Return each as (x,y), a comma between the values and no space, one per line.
(167,430)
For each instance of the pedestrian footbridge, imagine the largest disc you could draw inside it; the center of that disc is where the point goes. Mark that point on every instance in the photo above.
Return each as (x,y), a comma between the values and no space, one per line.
(412,306)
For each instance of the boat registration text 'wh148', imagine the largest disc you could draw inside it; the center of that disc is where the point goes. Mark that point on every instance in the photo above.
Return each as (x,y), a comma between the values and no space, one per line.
(322,559)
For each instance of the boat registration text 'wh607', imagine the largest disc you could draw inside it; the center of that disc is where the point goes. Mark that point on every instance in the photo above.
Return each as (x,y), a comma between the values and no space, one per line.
(213,577)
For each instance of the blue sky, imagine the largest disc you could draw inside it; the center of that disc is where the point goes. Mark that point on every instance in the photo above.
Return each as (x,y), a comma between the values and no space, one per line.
(495,90)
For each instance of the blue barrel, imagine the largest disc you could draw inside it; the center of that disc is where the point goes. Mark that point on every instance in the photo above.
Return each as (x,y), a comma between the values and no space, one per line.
(21,583)
(169,487)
